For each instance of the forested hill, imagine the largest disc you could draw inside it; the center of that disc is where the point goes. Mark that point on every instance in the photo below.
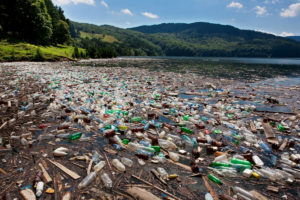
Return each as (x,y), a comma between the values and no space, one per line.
(297,38)
(197,39)
(226,40)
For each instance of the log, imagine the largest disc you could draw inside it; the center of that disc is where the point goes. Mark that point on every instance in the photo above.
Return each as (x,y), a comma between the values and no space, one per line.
(66,196)
(28,194)
(1,170)
(209,189)
(64,169)
(171,195)
(141,194)
(46,176)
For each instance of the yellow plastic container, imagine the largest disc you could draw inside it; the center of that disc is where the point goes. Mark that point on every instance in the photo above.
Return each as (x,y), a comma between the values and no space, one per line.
(256,175)
(173,176)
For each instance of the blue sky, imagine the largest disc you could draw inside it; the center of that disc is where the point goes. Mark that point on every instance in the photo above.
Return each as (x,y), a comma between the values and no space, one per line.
(279,17)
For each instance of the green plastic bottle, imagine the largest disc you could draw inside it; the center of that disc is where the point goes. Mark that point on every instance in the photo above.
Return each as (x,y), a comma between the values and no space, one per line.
(280,127)
(216,164)
(186,118)
(125,141)
(214,179)
(238,161)
(156,148)
(136,119)
(236,142)
(180,124)
(75,136)
(187,130)
(217,131)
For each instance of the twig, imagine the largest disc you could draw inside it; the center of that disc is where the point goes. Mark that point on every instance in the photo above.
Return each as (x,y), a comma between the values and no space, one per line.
(112,171)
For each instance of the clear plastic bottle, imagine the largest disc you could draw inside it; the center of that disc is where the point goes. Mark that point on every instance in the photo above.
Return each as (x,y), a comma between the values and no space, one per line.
(118,165)
(162,172)
(220,158)
(99,166)
(39,189)
(174,156)
(126,162)
(46,137)
(87,180)
(63,135)
(243,192)
(24,142)
(107,182)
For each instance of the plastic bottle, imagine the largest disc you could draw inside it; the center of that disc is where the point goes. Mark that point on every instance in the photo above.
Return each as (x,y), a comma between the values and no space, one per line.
(118,165)
(142,151)
(24,142)
(39,189)
(162,172)
(187,130)
(174,156)
(220,158)
(238,161)
(142,156)
(107,182)
(226,197)
(214,179)
(118,147)
(239,190)
(87,180)
(268,174)
(265,147)
(38,177)
(46,137)
(273,161)
(63,135)
(75,136)
(7,196)
(257,160)
(208,196)
(99,166)
(126,162)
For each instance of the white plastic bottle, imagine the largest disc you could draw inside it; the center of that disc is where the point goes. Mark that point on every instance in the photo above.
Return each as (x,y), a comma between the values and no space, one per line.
(59,153)
(220,158)
(117,164)
(257,160)
(208,196)
(39,188)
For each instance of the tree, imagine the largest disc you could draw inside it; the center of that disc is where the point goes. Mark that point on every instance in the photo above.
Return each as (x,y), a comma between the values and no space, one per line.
(62,32)
(72,31)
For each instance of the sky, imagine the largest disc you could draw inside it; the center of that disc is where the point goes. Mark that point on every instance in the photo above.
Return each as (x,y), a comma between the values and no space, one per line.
(278,17)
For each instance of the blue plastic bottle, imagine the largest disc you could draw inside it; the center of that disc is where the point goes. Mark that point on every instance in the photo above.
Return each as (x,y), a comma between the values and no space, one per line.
(265,147)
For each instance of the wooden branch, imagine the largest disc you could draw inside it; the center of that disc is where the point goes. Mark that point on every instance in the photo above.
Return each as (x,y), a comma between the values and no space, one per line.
(209,188)
(64,169)
(112,171)
(155,187)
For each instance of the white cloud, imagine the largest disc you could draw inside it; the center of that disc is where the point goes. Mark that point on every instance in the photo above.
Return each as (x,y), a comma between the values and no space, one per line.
(273,1)
(66,2)
(260,11)
(127,23)
(103,3)
(292,11)
(113,12)
(232,19)
(284,34)
(235,5)
(266,32)
(126,11)
(150,15)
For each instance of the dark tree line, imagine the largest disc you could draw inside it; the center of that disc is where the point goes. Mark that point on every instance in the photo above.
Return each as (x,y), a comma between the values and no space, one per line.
(35,21)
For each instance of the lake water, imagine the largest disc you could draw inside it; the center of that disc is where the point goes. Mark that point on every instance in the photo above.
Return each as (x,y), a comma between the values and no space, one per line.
(271,61)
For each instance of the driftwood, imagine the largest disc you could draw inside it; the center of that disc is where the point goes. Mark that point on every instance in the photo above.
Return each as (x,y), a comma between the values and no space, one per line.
(258,196)
(283,145)
(66,196)
(252,126)
(1,170)
(171,195)
(64,169)
(141,194)
(209,189)
(46,176)
(28,194)
(90,167)
(112,171)
(59,182)
(269,133)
